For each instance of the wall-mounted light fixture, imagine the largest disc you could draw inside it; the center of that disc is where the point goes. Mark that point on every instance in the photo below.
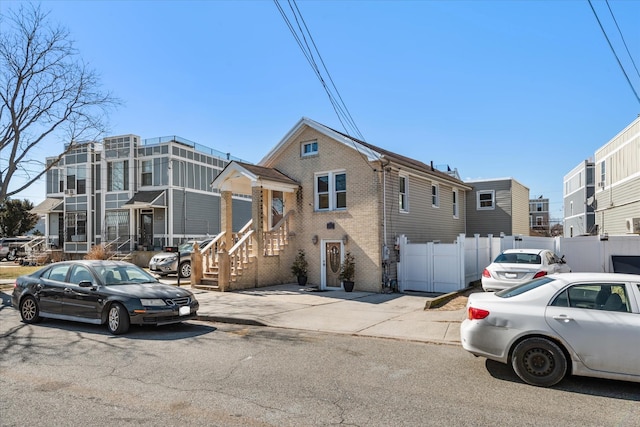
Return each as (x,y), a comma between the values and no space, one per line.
(314,239)
(345,239)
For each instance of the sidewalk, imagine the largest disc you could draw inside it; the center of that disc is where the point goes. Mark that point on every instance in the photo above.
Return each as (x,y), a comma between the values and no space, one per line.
(395,316)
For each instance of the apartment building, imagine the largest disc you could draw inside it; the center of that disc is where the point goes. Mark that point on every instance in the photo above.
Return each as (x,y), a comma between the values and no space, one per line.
(579,200)
(135,194)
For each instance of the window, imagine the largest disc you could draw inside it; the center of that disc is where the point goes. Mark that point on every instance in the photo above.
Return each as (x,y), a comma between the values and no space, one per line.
(331,191)
(309,148)
(147,172)
(455,203)
(118,175)
(603,172)
(76,226)
(485,200)
(607,297)
(403,190)
(77,179)
(435,196)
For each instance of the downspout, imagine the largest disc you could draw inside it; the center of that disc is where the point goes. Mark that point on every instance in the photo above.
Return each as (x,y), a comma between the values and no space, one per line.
(384,198)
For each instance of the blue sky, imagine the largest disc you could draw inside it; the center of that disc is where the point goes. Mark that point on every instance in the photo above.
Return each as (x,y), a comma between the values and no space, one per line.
(522,89)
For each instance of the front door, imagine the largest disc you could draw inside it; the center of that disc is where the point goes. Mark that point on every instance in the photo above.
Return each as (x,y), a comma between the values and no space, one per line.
(332,259)
(146,229)
(277,207)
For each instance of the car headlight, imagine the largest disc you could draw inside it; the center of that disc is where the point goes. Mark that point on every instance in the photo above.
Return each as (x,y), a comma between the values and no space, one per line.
(152,302)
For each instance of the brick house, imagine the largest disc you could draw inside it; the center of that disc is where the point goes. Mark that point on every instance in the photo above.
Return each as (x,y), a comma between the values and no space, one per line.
(327,193)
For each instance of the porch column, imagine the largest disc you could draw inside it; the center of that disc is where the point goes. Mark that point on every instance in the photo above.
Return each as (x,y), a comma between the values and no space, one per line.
(226,218)
(258,201)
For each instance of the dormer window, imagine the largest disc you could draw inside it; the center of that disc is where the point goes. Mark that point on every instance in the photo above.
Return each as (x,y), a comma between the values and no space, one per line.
(309,148)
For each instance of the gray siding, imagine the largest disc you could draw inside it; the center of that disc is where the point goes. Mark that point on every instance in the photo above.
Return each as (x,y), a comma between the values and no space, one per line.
(241,213)
(489,221)
(618,196)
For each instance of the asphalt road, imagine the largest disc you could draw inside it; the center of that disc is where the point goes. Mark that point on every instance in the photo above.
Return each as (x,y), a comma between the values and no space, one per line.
(205,374)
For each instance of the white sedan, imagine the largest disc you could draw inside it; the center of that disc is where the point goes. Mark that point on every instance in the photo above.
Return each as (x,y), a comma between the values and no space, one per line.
(515,266)
(584,324)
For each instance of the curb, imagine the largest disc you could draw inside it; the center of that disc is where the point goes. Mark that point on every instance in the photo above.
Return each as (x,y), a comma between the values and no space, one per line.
(443,299)
(233,320)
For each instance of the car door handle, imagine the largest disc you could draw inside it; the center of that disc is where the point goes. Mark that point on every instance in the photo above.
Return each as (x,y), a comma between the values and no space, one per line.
(563,318)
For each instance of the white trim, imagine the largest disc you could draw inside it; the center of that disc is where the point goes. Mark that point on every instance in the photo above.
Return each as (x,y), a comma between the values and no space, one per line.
(331,191)
(404,209)
(437,195)
(456,203)
(304,144)
(493,200)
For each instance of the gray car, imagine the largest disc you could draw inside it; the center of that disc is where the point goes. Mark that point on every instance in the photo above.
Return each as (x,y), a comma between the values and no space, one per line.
(166,263)
(584,324)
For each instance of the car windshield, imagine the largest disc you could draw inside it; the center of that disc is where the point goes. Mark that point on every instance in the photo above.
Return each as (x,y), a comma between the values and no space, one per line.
(124,274)
(525,287)
(186,247)
(518,258)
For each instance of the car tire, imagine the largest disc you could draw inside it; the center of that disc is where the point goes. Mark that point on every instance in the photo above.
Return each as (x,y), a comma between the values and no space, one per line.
(12,255)
(539,362)
(29,310)
(184,270)
(117,319)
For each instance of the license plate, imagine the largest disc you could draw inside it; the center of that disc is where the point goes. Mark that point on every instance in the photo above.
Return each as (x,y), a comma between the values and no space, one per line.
(152,267)
(511,275)
(185,311)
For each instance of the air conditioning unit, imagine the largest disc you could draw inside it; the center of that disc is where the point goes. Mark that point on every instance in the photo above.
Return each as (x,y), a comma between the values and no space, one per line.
(633,225)
(70,192)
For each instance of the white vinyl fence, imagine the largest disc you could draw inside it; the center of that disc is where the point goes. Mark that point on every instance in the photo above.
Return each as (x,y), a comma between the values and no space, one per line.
(448,267)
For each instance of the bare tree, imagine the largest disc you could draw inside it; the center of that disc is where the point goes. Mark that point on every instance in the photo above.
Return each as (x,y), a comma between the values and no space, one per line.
(46,94)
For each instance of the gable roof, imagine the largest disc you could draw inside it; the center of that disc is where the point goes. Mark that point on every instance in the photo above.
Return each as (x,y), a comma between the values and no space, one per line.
(240,177)
(369,151)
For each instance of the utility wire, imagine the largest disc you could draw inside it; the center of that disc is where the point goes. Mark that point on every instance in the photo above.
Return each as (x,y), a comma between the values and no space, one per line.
(614,52)
(623,40)
(301,35)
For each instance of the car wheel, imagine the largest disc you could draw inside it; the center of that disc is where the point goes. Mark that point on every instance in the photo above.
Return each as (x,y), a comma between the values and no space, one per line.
(539,362)
(185,270)
(29,310)
(12,255)
(118,319)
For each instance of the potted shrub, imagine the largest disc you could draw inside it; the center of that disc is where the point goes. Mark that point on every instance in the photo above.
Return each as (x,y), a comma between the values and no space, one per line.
(299,267)
(347,271)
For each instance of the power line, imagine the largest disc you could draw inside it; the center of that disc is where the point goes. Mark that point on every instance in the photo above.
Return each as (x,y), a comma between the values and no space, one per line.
(311,51)
(613,51)
(623,40)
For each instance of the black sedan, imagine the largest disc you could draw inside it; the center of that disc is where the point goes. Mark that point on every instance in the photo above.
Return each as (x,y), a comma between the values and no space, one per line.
(92,291)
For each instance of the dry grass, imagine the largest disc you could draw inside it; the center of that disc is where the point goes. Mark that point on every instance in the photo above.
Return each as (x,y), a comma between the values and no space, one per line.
(99,252)
(13,271)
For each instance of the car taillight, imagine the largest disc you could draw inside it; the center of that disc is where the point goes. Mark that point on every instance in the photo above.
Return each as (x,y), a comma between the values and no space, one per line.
(540,274)
(476,313)
(486,273)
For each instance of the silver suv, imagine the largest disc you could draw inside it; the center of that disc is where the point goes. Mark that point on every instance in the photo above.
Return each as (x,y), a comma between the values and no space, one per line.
(166,263)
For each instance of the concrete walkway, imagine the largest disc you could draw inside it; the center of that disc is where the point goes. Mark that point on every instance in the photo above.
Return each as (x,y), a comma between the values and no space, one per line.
(394,315)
